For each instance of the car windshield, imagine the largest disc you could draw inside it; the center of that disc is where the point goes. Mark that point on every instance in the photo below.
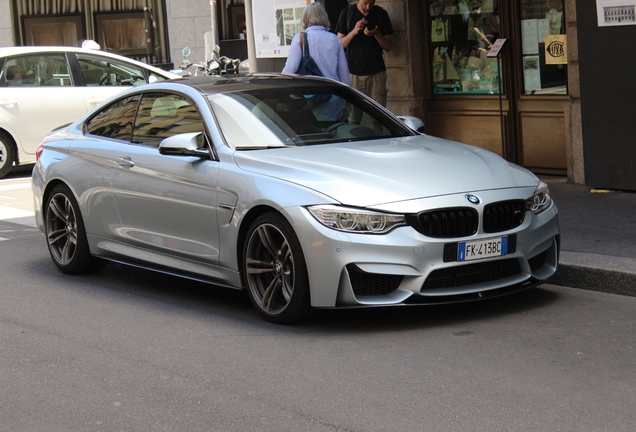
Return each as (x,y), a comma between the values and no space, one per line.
(307,113)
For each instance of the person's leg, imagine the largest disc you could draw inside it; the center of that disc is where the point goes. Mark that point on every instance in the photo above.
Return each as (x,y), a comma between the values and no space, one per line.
(378,90)
(358,82)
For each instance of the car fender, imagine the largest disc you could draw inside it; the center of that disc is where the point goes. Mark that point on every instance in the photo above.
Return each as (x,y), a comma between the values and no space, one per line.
(4,126)
(271,193)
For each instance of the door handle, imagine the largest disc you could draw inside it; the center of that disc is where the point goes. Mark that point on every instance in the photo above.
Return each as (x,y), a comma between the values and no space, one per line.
(94,101)
(9,103)
(125,162)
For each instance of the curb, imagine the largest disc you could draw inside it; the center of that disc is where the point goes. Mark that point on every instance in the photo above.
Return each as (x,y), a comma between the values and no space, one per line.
(615,275)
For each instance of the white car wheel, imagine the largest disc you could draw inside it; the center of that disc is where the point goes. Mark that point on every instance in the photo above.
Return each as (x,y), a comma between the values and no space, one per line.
(7,154)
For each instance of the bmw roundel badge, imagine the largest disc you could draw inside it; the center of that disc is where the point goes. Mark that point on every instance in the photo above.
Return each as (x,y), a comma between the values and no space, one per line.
(473,199)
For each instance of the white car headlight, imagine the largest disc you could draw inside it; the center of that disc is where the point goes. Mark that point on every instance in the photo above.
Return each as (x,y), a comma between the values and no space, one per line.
(540,200)
(353,220)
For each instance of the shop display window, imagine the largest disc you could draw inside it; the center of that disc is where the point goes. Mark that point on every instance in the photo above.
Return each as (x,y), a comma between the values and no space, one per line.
(541,19)
(462,32)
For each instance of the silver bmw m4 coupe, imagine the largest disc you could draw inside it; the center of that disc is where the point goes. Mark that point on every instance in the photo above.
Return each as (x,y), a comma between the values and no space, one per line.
(301,191)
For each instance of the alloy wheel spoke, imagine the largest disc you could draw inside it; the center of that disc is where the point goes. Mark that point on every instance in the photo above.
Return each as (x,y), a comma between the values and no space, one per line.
(70,215)
(287,276)
(270,292)
(287,285)
(56,236)
(255,266)
(68,251)
(267,241)
(57,211)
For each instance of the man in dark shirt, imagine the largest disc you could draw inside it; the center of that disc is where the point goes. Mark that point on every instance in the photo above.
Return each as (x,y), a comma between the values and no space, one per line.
(365,32)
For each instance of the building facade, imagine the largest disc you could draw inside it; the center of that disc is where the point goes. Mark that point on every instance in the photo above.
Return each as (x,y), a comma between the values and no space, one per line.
(524,103)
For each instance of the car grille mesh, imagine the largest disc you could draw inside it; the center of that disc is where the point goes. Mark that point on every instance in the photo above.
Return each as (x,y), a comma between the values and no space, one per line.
(472,274)
(373,284)
(464,221)
(447,223)
(504,216)
(538,261)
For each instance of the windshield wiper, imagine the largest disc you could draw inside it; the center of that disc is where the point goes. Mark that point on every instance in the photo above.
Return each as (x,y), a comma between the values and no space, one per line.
(261,147)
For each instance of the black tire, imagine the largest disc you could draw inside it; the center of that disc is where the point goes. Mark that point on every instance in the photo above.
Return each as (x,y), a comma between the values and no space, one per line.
(274,270)
(7,154)
(65,234)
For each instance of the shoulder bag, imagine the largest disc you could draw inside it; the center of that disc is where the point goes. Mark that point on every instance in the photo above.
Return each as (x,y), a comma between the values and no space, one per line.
(307,64)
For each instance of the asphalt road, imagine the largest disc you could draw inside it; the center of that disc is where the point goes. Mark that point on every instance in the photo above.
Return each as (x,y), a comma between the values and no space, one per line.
(132,350)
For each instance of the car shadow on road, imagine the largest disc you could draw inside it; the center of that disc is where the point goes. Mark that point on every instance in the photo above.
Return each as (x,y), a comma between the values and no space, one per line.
(20,172)
(431,316)
(214,302)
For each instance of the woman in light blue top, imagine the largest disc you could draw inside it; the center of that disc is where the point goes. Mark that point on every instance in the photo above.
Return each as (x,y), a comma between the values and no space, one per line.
(324,47)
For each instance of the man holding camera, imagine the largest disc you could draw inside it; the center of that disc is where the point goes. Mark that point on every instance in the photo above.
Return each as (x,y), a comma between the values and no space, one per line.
(365,32)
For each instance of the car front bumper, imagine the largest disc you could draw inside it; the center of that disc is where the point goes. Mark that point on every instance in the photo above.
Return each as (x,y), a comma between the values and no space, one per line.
(406,267)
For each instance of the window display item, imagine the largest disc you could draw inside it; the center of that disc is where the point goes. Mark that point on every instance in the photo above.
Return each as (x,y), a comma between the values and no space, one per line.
(462,32)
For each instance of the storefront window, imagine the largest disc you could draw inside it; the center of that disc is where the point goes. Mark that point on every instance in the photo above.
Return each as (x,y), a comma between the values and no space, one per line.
(541,22)
(462,32)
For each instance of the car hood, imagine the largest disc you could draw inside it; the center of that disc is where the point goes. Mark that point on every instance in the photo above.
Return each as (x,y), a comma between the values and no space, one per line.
(367,173)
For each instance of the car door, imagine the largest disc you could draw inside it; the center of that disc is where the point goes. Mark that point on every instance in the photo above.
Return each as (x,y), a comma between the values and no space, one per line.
(103,76)
(44,99)
(167,204)
(108,134)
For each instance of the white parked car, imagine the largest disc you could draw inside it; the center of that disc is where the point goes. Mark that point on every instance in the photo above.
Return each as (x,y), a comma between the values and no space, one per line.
(42,88)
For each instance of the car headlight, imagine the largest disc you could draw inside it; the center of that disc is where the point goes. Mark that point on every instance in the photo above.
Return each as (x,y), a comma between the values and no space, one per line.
(353,220)
(540,200)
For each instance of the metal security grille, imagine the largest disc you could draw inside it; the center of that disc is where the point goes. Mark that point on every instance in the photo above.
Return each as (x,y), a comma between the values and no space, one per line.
(447,223)
(504,215)
(472,274)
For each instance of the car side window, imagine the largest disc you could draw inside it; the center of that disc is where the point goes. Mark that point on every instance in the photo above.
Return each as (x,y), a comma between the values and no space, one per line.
(108,72)
(163,115)
(115,120)
(37,70)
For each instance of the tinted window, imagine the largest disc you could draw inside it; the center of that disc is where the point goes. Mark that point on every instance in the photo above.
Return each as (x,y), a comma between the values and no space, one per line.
(163,115)
(115,120)
(107,72)
(292,115)
(37,70)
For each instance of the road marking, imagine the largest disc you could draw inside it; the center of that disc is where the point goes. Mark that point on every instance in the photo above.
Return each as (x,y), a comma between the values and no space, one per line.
(7,213)
(15,186)
(13,214)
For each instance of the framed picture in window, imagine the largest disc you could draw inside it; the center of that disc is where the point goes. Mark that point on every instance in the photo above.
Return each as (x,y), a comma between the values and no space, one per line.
(124,33)
(236,16)
(58,30)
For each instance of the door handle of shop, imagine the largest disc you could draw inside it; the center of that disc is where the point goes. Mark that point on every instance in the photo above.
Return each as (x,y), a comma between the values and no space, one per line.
(9,103)
(125,162)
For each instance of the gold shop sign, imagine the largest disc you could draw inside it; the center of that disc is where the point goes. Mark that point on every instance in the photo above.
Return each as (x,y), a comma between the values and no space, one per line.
(556,49)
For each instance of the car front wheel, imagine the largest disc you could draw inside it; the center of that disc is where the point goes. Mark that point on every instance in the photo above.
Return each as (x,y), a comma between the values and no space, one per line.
(65,234)
(274,270)
(7,154)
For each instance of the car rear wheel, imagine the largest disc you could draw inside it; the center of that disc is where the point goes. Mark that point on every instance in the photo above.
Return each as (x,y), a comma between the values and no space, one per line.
(274,270)
(7,154)
(65,234)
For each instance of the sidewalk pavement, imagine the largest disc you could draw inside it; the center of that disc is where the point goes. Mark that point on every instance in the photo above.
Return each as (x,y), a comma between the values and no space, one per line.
(598,237)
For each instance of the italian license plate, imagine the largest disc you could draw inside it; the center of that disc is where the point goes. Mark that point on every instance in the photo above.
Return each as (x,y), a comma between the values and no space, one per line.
(486,248)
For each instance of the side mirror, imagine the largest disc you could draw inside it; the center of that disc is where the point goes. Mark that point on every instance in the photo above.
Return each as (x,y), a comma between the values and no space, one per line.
(183,145)
(414,123)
